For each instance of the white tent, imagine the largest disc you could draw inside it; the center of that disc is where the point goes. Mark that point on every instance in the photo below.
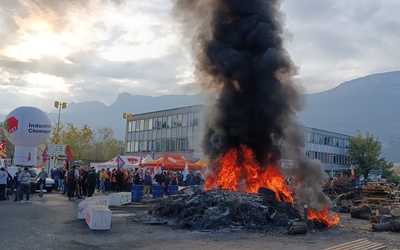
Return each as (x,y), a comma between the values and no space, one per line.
(147,159)
(128,161)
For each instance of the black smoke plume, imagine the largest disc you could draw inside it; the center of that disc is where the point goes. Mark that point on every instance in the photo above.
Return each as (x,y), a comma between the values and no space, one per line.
(239,54)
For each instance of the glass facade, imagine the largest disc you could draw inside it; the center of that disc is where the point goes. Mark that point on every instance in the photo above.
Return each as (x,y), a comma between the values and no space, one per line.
(328,147)
(175,130)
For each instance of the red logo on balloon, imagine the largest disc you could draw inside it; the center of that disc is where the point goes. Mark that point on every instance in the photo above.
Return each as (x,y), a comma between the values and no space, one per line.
(12,124)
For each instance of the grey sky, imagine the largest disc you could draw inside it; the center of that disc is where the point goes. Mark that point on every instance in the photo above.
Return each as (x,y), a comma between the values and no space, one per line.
(76,51)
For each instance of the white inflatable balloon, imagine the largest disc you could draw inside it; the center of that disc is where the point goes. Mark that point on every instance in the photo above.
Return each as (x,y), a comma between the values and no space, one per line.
(25,156)
(27,126)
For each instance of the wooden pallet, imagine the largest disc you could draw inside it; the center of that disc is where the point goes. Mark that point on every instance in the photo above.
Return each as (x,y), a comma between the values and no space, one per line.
(361,244)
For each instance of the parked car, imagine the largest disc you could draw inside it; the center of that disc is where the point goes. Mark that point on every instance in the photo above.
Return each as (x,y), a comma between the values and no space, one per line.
(35,185)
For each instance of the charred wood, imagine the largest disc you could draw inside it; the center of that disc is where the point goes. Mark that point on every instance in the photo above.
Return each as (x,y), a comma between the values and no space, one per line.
(297,227)
(390,226)
(220,209)
(360,212)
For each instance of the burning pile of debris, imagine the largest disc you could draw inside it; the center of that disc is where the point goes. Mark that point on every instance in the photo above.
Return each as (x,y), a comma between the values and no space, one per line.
(220,209)
(239,55)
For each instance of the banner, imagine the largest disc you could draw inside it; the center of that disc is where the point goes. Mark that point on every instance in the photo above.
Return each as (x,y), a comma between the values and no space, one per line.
(44,155)
(3,150)
(68,155)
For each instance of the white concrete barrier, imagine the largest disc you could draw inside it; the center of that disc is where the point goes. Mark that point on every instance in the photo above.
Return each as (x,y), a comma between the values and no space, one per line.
(82,207)
(98,217)
(118,199)
(100,200)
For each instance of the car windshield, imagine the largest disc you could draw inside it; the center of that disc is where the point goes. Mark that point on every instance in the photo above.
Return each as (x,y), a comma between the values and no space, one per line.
(34,172)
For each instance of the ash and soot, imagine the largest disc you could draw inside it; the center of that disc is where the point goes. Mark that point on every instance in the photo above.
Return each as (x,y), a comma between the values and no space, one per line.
(239,54)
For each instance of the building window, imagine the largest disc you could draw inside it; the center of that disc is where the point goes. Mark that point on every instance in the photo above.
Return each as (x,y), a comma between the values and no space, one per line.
(173,144)
(158,145)
(184,120)
(168,144)
(164,122)
(133,128)
(163,144)
(159,123)
(169,121)
(195,119)
(190,119)
(184,144)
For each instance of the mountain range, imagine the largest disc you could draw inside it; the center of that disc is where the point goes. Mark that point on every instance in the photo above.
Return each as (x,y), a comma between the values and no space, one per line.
(367,104)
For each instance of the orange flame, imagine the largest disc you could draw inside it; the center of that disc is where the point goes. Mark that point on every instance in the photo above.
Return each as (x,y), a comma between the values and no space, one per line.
(323,216)
(248,176)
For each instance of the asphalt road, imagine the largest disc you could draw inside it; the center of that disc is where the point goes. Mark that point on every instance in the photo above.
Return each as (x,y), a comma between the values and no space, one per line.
(51,222)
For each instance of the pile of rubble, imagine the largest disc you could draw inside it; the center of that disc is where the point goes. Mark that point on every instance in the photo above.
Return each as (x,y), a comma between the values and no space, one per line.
(343,192)
(218,209)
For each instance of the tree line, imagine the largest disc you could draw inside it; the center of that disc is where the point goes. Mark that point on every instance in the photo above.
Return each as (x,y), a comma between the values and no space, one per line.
(86,144)
(365,155)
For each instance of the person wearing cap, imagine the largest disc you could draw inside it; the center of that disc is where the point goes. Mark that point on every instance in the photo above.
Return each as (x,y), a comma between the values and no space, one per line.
(42,180)
(25,182)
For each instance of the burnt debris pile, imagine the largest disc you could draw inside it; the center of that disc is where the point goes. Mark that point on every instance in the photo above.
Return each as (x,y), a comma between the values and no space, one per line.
(196,209)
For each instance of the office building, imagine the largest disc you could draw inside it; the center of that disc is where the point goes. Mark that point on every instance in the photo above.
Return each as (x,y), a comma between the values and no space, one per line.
(179,131)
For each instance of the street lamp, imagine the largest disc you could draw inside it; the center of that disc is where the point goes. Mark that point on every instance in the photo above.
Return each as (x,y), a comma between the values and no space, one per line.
(127,117)
(59,106)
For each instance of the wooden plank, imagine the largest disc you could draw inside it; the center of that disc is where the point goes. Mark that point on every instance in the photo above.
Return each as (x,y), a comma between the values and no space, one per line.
(361,244)
(370,246)
(345,244)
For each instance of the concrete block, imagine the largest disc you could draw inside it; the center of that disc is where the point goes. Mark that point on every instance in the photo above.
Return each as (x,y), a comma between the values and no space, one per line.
(118,199)
(100,200)
(98,217)
(82,207)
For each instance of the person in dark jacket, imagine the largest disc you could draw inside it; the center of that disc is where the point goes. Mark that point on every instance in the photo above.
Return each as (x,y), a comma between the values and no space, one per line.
(120,181)
(91,182)
(139,177)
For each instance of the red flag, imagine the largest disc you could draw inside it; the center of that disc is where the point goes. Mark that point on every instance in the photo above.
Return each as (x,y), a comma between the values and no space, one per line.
(44,155)
(68,155)
(140,162)
(3,150)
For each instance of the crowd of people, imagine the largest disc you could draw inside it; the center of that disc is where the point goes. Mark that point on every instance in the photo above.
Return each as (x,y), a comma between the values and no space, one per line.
(78,182)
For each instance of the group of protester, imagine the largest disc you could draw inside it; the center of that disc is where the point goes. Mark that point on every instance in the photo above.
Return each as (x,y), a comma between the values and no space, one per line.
(20,183)
(121,180)
(79,182)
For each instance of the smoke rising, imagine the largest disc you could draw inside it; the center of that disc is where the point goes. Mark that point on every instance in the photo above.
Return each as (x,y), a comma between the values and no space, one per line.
(239,54)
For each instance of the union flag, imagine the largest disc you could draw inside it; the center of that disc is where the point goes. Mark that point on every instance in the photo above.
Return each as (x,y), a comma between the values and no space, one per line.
(44,155)
(68,155)
(3,150)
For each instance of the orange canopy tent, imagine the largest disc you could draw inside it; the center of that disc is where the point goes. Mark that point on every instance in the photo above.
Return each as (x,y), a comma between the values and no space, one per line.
(203,162)
(172,162)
